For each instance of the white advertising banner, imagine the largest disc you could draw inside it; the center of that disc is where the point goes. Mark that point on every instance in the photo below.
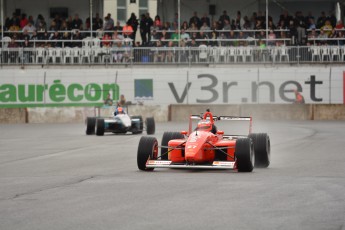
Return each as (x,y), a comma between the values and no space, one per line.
(164,86)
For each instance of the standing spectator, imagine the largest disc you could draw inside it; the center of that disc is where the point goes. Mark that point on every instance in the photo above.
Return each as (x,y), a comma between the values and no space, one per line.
(195,19)
(149,24)
(14,20)
(143,29)
(77,23)
(239,20)
(97,22)
(23,21)
(308,17)
(133,22)
(40,23)
(108,23)
(301,27)
(31,20)
(285,17)
(222,19)
(206,19)
(293,31)
(321,20)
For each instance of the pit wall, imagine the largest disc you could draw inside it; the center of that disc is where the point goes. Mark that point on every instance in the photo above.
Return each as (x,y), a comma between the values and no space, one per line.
(175,112)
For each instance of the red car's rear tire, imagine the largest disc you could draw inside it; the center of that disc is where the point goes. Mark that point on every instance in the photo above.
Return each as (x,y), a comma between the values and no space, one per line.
(244,153)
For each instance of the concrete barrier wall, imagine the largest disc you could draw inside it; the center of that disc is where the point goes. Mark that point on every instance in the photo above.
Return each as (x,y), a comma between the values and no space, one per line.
(75,114)
(13,116)
(264,112)
(175,112)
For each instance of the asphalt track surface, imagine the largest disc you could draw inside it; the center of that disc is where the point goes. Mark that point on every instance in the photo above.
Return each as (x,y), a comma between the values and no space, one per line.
(53,176)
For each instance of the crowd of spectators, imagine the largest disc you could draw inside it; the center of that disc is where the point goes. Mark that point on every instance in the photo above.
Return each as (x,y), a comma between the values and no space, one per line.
(235,30)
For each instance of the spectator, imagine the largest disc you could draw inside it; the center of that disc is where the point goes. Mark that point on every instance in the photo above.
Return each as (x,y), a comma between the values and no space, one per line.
(122,101)
(97,22)
(66,36)
(24,35)
(106,40)
(184,35)
(311,24)
(31,20)
(167,26)
(23,21)
(40,23)
(14,20)
(127,31)
(227,26)
(222,19)
(299,98)
(157,22)
(77,23)
(159,55)
(293,31)
(69,22)
(204,27)
(165,36)
(108,23)
(184,25)
(64,26)
(57,21)
(133,22)
(13,43)
(149,24)
(170,55)
(239,21)
(340,35)
(53,26)
(301,27)
(143,29)
(108,101)
(339,25)
(117,38)
(29,28)
(327,27)
(118,28)
(55,39)
(176,36)
(285,17)
(77,36)
(271,38)
(321,20)
(206,19)
(195,19)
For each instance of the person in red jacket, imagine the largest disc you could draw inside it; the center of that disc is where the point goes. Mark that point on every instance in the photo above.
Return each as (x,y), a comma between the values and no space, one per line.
(299,98)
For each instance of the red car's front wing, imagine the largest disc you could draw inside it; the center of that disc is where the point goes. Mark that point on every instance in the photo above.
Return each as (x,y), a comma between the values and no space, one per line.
(170,164)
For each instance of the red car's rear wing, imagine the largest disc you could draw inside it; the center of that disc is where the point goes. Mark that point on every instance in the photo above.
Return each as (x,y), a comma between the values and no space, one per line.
(220,118)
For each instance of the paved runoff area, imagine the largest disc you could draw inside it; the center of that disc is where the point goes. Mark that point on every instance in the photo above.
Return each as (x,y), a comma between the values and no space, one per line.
(53,176)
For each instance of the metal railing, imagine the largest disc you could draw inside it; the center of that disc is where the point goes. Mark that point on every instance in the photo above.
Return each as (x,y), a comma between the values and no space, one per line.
(172,55)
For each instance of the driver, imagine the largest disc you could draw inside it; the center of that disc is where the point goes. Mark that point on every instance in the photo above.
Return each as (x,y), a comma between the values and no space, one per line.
(119,110)
(206,125)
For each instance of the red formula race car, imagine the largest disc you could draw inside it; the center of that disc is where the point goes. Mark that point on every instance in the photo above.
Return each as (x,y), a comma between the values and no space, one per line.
(206,147)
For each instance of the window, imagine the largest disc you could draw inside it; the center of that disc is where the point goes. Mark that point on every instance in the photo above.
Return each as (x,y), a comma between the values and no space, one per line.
(143,6)
(121,10)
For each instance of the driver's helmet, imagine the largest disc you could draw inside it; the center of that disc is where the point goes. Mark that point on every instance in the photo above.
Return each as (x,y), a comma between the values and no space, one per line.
(119,110)
(204,125)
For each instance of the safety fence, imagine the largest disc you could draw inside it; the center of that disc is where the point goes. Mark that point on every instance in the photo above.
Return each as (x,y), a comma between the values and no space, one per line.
(172,55)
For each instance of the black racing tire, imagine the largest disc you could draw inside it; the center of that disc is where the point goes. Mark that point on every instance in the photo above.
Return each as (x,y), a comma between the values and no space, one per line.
(150,125)
(147,149)
(135,128)
(262,148)
(90,125)
(167,136)
(245,156)
(100,127)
